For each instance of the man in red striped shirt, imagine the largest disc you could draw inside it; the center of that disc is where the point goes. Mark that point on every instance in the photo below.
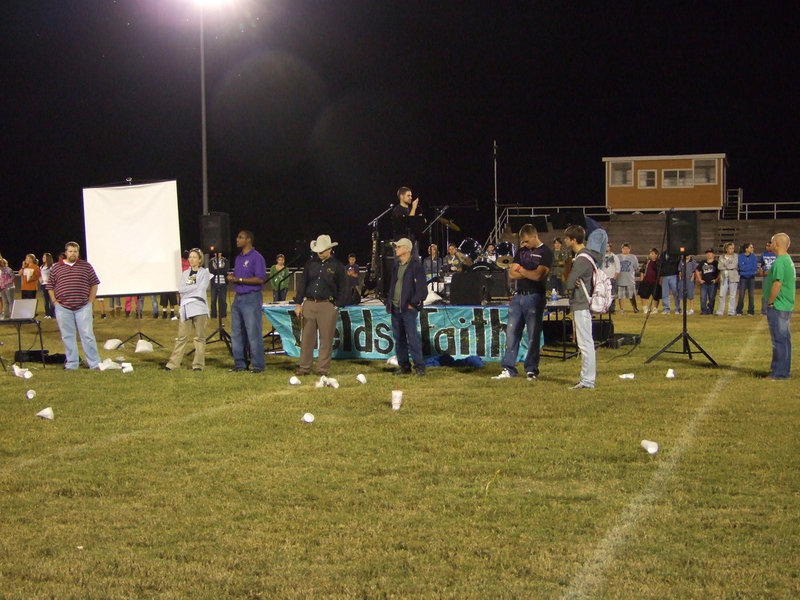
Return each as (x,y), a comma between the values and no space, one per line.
(72,287)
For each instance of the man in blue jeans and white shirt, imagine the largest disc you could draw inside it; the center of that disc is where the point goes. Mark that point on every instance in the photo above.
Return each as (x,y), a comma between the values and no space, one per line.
(582,271)
(529,268)
(249,274)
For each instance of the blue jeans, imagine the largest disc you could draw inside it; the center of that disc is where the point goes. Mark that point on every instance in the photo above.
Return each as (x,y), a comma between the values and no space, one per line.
(48,305)
(583,333)
(708,295)
(524,311)
(279,295)
(78,321)
(780,332)
(219,298)
(246,331)
(669,283)
(746,284)
(407,340)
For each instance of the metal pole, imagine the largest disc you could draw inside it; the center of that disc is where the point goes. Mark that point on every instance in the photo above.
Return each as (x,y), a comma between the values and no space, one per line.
(496,222)
(203,110)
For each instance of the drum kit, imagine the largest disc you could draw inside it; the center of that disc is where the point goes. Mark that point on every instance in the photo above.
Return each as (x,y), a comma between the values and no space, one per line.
(471,254)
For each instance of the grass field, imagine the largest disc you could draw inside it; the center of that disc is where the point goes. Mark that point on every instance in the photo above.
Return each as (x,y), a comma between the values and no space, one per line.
(208,485)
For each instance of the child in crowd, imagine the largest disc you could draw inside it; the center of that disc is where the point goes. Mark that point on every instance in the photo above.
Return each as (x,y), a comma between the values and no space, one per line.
(688,278)
(649,286)
(626,282)
(709,277)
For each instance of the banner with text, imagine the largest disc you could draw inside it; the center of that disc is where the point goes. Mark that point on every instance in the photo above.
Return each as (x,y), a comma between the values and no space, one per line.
(366,331)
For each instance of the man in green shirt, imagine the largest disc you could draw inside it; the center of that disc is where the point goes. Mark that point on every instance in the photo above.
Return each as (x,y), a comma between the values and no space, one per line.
(779,292)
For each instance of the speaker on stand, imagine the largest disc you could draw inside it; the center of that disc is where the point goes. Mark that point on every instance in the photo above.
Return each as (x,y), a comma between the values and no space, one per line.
(216,233)
(683,232)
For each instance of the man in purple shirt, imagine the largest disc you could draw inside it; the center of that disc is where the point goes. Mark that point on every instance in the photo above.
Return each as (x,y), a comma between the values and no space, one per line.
(249,274)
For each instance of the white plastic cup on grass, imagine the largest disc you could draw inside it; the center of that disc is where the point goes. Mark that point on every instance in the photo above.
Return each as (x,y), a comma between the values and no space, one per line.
(361,378)
(46,413)
(30,394)
(397,399)
(651,447)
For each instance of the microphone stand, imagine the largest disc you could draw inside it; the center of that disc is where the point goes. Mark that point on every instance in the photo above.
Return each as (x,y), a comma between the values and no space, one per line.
(376,273)
(374,222)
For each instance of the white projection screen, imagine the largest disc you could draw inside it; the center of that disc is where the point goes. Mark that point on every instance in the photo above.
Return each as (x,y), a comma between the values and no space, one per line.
(133,238)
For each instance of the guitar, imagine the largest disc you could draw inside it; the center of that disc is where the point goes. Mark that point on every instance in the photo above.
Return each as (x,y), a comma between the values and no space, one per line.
(373,269)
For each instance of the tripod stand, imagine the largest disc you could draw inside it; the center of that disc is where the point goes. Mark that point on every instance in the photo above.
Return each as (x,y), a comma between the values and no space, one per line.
(139,334)
(684,335)
(224,336)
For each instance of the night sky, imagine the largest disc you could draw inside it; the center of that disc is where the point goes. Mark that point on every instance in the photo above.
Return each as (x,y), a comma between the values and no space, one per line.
(319,110)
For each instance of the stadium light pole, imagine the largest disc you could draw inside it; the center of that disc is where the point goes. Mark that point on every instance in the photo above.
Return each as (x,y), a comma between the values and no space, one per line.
(203,4)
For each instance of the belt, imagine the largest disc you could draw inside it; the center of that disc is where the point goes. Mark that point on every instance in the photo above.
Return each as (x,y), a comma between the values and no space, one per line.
(245,293)
(318,299)
(523,293)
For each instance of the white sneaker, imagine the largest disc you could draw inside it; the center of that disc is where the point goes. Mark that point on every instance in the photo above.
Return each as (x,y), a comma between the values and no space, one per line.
(646,310)
(665,311)
(504,374)
(690,312)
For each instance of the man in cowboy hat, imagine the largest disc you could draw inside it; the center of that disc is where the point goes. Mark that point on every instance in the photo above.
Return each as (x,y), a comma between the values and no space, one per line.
(249,274)
(321,289)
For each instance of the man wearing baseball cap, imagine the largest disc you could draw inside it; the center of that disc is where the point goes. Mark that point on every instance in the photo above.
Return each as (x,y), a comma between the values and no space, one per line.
(407,290)
(321,289)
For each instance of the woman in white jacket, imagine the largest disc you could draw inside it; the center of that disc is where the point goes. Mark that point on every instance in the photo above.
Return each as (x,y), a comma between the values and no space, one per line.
(728,265)
(193,313)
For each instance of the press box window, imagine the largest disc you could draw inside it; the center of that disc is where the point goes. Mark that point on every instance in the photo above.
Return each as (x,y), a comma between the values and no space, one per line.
(647,179)
(677,178)
(621,173)
(705,171)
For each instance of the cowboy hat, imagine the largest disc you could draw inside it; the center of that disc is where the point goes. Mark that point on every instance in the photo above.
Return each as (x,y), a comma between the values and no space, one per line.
(323,243)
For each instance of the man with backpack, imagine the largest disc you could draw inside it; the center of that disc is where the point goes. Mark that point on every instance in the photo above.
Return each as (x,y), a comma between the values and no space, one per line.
(581,283)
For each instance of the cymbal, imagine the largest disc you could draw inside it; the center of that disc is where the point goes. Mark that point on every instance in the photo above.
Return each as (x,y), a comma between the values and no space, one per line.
(448,223)
(504,261)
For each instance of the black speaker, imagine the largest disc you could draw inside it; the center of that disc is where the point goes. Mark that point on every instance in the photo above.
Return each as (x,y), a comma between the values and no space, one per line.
(683,231)
(470,288)
(387,264)
(216,230)
(495,279)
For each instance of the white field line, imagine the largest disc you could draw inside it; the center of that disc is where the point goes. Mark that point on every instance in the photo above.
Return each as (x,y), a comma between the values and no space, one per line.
(588,580)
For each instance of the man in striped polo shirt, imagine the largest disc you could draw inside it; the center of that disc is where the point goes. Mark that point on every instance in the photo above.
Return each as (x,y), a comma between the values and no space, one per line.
(72,288)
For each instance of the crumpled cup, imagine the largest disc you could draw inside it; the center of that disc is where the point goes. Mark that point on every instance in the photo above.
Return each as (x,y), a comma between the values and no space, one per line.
(46,413)
(651,447)
(293,380)
(21,372)
(361,378)
(627,376)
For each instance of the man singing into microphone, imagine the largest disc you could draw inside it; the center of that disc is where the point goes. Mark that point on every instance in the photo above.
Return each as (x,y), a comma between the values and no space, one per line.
(401,223)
